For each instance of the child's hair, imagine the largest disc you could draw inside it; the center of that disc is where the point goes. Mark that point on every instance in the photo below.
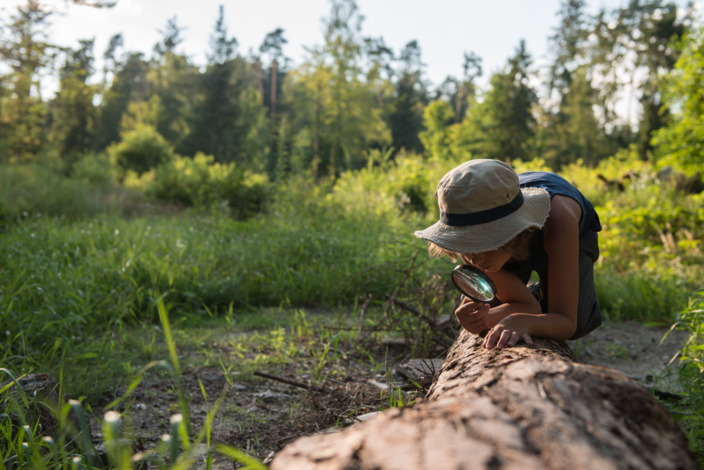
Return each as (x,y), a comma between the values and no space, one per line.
(517,247)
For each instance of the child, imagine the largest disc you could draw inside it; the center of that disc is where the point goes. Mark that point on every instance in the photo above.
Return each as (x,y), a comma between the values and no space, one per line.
(509,226)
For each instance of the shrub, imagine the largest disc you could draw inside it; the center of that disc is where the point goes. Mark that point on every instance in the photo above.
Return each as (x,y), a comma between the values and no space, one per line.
(96,170)
(202,183)
(141,149)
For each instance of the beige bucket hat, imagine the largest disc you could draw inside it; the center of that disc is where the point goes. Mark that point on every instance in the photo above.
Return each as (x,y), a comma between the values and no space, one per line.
(482,208)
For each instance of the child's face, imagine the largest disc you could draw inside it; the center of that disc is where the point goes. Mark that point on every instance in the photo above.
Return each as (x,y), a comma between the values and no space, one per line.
(489,261)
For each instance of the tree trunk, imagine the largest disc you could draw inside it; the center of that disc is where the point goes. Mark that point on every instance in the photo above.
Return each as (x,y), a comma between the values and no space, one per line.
(526,407)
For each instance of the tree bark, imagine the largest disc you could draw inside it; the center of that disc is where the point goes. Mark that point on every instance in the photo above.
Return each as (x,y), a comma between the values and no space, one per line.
(526,407)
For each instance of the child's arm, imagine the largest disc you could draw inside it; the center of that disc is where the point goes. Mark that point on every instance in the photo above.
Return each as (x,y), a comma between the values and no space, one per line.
(561,243)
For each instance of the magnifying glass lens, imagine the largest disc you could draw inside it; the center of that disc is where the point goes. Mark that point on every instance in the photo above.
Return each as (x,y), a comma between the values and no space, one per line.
(473,283)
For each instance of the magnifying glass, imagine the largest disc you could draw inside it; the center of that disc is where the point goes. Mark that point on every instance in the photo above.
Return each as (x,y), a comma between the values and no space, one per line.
(473,283)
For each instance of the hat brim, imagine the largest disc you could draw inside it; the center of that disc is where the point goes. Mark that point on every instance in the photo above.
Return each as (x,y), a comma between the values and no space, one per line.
(491,235)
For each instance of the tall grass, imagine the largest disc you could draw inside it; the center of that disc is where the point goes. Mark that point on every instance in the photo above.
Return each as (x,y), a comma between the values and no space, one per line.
(77,282)
(320,244)
(73,289)
(43,189)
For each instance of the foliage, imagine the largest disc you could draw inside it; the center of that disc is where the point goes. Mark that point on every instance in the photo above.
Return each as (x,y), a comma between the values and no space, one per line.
(318,243)
(72,110)
(129,86)
(172,78)
(203,183)
(25,48)
(96,170)
(39,190)
(333,104)
(681,143)
(77,279)
(405,120)
(573,133)
(141,150)
(437,117)
(502,125)
(228,120)
(350,95)
(688,411)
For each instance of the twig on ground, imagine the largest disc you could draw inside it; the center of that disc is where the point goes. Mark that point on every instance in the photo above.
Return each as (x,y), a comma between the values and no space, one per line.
(283,380)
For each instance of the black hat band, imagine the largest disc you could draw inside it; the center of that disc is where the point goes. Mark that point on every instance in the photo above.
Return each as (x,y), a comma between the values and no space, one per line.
(482,217)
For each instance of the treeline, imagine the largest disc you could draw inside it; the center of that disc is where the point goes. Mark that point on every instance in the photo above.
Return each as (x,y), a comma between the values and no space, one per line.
(350,96)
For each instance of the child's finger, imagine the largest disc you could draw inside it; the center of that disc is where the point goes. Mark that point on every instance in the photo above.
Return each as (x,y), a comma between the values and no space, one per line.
(507,338)
(513,338)
(491,339)
(471,322)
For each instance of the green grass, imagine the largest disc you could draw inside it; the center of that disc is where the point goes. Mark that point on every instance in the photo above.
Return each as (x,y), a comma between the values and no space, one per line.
(83,295)
(689,410)
(642,298)
(83,292)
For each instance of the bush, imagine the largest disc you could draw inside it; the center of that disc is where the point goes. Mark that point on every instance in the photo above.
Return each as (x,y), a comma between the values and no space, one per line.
(202,183)
(141,149)
(96,170)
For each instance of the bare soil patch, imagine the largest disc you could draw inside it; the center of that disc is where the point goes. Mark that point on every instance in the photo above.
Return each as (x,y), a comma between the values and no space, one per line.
(647,354)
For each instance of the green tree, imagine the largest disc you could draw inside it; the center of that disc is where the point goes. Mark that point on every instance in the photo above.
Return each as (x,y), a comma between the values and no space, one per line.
(335,106)
(661,24)
(438,117)
(129,85)
(502,125)
(273,46)
(25,49)
(72,112)
(172,76)
(110,59)
(575,132)
(570,128)
(466,88)
(227,120)
(271,89)
(382,77)
(638,38)
(409,100)
(569,46)
(681,143)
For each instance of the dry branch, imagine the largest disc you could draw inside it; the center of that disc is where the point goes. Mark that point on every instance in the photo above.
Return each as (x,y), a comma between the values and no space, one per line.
(522,407)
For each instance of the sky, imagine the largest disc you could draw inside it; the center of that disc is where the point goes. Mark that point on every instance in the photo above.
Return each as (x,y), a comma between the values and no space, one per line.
(444,29)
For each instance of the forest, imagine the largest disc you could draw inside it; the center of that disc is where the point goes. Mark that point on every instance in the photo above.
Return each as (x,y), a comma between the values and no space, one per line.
(160,216)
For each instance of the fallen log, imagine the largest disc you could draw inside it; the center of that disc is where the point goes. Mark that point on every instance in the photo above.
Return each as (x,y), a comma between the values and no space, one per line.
(526,407)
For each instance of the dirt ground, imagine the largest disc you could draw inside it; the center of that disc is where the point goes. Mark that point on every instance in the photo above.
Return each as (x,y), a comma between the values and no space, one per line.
(642,352)
(263,414)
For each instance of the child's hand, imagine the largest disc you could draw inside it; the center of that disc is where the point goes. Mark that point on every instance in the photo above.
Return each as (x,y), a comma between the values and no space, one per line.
(473,316)
(508,332)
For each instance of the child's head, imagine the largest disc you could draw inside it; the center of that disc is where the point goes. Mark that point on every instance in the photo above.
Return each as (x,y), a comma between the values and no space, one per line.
(516,247)
(482,208)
